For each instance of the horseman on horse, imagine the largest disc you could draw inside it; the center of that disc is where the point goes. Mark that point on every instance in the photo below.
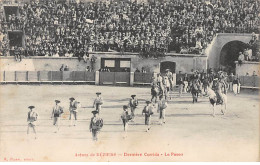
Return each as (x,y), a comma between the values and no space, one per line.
(217,95)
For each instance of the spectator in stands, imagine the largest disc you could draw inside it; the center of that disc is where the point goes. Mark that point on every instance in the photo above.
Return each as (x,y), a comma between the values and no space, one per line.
(163,26)
(241,58)
(17,54)
(137,70)
(106,69)
(56,54)
(86,57)
(66,68)
(62,67)
(87,69)
(143,70)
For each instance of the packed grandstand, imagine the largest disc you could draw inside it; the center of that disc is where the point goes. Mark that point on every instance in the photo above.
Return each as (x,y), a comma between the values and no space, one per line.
(151,28)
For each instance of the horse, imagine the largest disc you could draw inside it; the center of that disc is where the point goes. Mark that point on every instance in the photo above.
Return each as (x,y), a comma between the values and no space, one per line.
(214,101)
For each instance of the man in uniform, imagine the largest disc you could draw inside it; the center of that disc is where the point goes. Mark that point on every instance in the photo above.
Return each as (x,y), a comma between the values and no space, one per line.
(73,110)
(125,118)
(96,123)
(170,78)
(159,81)
(57,110)
(154,90)
(148,111)
(133,103)
(31,119)
(162,105)
(231,78)
(220,88)
(98,102)
(186,83)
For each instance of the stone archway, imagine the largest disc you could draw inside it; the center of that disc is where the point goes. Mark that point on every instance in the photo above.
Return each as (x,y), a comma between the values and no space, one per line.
(229,54)
(213,51)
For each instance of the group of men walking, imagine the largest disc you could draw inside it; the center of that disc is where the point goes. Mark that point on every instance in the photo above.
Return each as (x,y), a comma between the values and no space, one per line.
(160,87)
(147,111)
(57,111)
(96,122)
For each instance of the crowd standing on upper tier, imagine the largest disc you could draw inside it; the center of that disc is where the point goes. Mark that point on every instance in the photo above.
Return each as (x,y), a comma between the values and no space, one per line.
(56,28)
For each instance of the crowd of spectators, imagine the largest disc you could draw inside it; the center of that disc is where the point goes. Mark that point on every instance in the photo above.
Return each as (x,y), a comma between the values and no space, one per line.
(153,28)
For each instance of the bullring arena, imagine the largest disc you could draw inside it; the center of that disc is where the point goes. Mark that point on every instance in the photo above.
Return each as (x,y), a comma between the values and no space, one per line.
(55,50)
(190,128)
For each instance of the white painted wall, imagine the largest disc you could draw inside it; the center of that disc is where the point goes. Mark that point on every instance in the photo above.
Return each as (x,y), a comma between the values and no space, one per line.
(184,63)
(247,67)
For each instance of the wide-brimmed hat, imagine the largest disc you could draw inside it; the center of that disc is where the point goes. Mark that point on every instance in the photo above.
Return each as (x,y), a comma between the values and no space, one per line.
(57,101)
(133,95)
(167,69)
(98,93)
(72,98)
(31,107)
(94,112)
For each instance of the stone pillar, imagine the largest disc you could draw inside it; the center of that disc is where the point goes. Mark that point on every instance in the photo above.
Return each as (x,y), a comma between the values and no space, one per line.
(97,78)
(132,76)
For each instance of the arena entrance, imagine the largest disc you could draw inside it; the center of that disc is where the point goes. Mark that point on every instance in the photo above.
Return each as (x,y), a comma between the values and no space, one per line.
(229,54)
(15,39)
(167,65)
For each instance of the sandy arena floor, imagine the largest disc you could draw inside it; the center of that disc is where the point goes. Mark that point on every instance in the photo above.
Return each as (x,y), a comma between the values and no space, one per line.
(190,132)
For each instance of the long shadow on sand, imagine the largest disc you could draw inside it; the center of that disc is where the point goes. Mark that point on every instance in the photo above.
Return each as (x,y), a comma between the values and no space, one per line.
(188,115)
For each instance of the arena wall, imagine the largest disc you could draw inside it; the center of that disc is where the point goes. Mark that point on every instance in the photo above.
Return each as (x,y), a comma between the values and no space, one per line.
(247,67)
(184,63)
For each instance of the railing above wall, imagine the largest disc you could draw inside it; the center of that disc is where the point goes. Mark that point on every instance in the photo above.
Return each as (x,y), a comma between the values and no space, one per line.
(106,53)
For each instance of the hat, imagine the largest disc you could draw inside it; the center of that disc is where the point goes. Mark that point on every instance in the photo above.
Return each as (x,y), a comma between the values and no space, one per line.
(98,93)
(94,112)
(148,102)
(167,69)
(125,106)
(31,107)
(133,95)
(57,101)
(72,98)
